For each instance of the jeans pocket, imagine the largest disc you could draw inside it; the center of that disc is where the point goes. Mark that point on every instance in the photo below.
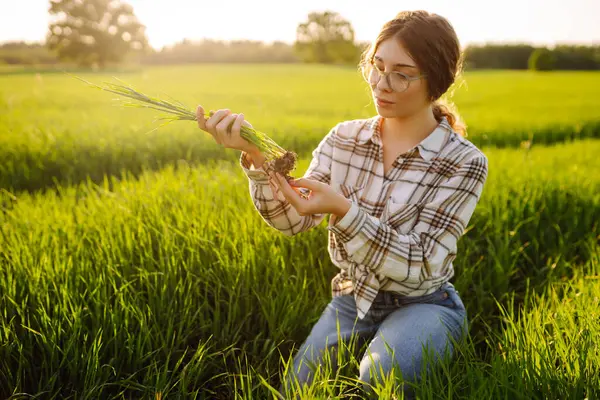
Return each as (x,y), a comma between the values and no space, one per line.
(461,313)
(456,300)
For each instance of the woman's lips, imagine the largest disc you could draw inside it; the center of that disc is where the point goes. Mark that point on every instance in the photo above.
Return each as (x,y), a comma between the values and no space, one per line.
(383,103)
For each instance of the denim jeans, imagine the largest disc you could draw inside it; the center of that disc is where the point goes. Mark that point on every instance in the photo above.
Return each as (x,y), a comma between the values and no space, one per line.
(405,324)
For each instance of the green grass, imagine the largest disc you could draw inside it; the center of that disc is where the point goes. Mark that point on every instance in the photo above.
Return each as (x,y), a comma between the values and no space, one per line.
(173,284)
(56,129)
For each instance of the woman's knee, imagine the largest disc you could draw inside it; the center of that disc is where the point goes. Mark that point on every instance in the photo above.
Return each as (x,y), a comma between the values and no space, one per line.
(398,357)
(376,367)
(398,369)
(408,365)
(377,372)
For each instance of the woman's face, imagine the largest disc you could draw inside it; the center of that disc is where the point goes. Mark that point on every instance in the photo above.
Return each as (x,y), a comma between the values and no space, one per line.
(391,56)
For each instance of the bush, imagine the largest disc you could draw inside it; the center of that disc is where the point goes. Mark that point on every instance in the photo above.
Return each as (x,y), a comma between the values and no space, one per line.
(542,60)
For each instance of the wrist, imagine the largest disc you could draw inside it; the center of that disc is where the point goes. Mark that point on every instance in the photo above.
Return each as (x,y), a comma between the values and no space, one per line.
(342,208)
(252,151)
(256,157)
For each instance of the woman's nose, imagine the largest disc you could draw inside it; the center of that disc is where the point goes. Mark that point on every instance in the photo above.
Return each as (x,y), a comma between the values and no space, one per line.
(382,85)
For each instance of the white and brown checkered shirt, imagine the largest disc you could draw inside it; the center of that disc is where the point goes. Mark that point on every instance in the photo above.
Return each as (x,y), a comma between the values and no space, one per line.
(401,231)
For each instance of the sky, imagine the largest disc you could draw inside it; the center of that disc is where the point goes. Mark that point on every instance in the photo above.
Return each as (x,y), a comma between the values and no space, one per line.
(537,22)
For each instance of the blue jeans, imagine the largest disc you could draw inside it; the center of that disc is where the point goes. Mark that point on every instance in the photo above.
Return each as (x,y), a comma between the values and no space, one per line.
(405,324)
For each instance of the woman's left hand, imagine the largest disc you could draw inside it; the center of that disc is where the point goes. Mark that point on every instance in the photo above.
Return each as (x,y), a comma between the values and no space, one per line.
(322,198)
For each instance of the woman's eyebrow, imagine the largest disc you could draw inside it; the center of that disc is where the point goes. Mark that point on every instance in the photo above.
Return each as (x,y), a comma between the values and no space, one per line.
(396,65)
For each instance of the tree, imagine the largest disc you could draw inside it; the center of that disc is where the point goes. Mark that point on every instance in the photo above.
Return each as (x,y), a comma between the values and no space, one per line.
(502,56)
(94,32)
(577,57)
(542,60)
(326,38)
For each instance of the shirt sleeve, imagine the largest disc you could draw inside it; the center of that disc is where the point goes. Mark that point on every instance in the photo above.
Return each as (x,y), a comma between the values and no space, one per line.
(422,252)
(275,209)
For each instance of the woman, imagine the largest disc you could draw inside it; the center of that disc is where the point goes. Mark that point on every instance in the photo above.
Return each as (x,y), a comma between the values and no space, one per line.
(400,187)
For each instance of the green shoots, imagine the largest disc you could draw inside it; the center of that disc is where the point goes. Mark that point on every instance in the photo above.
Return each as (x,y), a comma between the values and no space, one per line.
(276,157)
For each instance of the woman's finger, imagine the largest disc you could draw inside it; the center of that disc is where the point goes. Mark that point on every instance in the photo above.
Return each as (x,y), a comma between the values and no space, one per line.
(200,117)
(212,132)
(273,180)
(276,192)
(222,128)
(307,183)
(275,186)
(287,191)
(212,122)
(223,125)
(237,124)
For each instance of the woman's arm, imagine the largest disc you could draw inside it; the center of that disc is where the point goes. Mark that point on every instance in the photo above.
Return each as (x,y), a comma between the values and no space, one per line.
(274,208)
(422,252)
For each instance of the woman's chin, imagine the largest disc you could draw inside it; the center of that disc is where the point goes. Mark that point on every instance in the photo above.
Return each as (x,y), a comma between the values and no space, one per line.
(384,112)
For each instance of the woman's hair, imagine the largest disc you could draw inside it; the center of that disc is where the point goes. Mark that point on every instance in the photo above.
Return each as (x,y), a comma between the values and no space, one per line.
(432,42)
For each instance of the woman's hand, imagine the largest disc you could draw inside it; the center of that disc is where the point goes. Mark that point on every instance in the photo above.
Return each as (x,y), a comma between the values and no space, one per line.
(217,125)
(322,198)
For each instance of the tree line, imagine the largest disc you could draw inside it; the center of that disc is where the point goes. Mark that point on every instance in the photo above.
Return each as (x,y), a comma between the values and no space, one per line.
(488,56)
(98,33)
(525,56)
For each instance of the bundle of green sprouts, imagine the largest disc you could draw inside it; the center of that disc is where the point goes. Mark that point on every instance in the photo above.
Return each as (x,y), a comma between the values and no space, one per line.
(276,157)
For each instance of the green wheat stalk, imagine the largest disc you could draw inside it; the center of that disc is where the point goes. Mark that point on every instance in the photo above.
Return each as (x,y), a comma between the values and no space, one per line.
(179,112)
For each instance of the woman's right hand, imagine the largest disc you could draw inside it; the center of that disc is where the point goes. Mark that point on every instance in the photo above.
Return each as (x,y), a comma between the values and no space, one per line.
(217,125)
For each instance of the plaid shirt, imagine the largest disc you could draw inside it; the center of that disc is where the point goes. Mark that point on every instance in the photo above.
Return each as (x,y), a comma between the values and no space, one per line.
(402,228)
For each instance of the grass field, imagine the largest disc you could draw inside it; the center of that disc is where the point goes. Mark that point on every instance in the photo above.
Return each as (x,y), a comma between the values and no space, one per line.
(167,283)
(55,128)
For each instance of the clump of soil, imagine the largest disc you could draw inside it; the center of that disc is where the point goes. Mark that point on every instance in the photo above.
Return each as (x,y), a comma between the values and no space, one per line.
(285,164)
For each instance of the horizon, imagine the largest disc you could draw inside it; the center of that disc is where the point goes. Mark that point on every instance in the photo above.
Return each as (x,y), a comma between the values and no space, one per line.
(537,23)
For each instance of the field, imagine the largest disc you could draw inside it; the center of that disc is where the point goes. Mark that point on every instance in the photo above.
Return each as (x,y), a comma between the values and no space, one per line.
(133,264)
(55,128)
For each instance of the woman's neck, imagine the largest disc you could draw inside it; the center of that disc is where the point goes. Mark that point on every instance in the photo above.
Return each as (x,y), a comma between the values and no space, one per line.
(412,129)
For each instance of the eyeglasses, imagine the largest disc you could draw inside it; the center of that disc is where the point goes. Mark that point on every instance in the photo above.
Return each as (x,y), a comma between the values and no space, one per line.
(397,81)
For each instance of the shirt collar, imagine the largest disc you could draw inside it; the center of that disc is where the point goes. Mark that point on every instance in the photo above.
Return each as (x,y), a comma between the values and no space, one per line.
(428,147)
